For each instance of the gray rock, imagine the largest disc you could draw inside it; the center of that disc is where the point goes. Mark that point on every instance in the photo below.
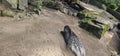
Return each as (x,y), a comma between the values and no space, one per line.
(8,13)
(74,14)
(60,6)
(93,29)
(70,13)
(107,18)
(23,4)
(98,4)
(30,1)
(10,3)
(114,13)
(90,7)
(65,8)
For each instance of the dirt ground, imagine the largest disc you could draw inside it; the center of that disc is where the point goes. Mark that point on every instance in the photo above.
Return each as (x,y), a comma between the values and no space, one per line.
(40,36)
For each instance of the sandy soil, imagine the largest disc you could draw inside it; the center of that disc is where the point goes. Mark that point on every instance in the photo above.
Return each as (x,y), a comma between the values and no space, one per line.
(40,36)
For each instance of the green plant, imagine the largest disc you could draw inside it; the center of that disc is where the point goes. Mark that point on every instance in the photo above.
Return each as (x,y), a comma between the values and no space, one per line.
(105,29)
(38,8)
(113,4)
(104,7)
(89,20)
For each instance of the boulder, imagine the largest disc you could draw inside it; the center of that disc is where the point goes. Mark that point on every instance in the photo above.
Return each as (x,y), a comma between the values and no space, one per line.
(32,2)
(10,3)
(102,21)
(15,4)
(114,13)
(89,7)
(103,17)
(23,4)
(93,29)
(107,18)
(98,4)
(8,13)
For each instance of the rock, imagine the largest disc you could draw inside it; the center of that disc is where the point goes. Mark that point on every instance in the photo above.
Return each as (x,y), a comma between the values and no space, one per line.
(114,13)
(10,3)
(21,15)
(32,2)
(114,53)
(70,13)
(77,7)
(98,4)
(23,4)
(96,28)
(15,4)
(74,14)
(89,7)
(95,20)
(64,10)
(59,6)
(103,17)
(8,13)
(93,29)
(107,18)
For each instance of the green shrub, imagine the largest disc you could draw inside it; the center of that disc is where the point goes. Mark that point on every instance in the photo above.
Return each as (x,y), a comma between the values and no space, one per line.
(89,20)
(113,4)
(105,29)
(38,8)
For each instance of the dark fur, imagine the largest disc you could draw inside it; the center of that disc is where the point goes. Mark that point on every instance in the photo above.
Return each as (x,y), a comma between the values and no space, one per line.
(73,42)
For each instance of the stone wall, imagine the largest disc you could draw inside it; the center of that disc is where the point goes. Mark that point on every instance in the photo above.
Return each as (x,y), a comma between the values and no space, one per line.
(21,4)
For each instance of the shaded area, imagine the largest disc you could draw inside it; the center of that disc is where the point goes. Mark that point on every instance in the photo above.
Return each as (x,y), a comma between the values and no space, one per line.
(92,29)
(7,4)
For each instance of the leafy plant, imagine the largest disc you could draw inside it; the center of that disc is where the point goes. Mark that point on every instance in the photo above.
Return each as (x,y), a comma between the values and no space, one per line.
(89,20)
(105,29)
(113,4)
(87,14)
(38,8)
